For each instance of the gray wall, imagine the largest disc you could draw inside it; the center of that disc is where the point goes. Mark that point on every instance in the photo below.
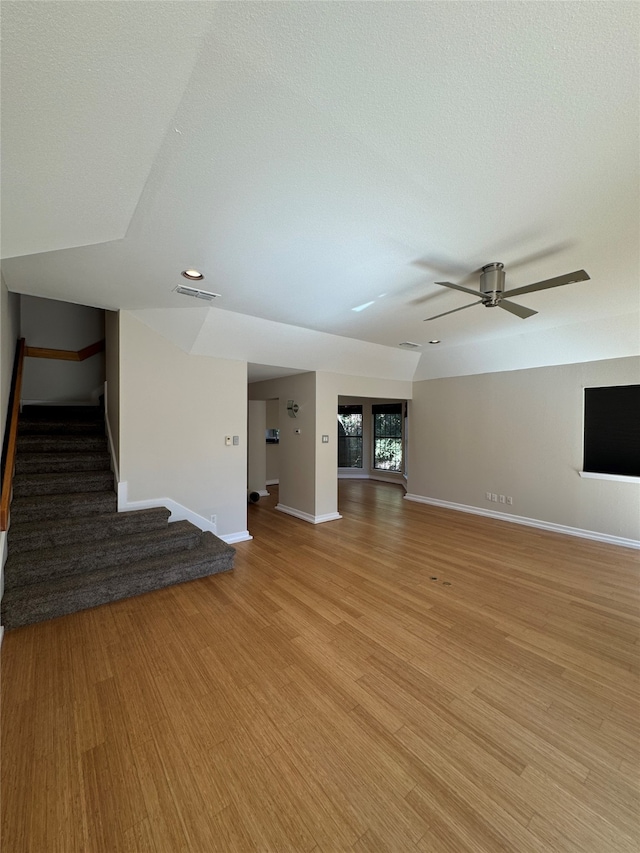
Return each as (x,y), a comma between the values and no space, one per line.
(61,325)
(520,434)
(296,450)
(256,446)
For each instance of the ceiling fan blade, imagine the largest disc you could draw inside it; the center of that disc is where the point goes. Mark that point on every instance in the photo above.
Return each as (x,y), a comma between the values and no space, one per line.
(518,310)
(470,305)
(558,281)
(457,287)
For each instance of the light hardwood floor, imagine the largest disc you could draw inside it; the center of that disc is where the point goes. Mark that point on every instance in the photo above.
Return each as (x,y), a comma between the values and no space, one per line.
(405,679)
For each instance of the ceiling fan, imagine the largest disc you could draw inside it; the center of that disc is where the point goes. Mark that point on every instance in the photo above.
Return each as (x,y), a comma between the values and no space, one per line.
(492,293)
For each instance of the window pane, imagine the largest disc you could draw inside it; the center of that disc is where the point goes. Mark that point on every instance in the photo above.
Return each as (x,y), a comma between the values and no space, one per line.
(612,430)
(387,438)
(350,436)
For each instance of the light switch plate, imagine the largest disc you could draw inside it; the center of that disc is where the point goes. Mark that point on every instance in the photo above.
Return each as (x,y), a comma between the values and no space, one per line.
(325,439)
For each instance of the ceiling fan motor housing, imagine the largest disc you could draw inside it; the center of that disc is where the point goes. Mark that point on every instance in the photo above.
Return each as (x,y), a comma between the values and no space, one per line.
(492,281)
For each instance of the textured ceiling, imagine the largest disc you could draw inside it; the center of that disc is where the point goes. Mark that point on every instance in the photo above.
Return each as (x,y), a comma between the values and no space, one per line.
(305,155)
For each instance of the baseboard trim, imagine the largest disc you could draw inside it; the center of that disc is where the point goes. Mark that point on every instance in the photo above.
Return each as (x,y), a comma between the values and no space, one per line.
(178,513)
(232,538)
(306,516)
(353,475)
(528,522)
(272,483)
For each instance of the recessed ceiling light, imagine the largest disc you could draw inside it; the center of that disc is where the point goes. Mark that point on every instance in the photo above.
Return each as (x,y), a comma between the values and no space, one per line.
(198,294)
(194,275)
(435,342)
(408,345)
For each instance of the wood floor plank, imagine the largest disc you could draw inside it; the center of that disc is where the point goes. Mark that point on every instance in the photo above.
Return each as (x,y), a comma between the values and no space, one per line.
(406,678)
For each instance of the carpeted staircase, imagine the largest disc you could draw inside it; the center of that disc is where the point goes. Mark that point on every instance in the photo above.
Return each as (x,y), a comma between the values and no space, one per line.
(69,548)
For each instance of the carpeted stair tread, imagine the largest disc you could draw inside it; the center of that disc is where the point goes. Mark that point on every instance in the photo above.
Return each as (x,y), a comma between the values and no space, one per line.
(60,443)
(69,548)
(46,600)
(62,413)
(61,483)
(31,567)
(54,463)
(60,427)
(33,508)
(28,536)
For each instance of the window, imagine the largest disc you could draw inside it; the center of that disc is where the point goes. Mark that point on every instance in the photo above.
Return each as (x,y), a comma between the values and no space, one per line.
(612,430)
(387,436)
(349,436)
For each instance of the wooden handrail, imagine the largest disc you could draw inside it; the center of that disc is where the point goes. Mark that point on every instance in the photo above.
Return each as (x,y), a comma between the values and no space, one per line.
(10,456)
(65,354)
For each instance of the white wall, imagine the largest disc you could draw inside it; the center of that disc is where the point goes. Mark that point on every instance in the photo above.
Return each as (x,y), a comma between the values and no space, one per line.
(61,325)
(273,450)
(257,447)
(175,411)
(520,434)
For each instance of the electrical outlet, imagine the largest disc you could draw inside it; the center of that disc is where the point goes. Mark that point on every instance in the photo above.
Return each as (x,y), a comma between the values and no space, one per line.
(487,495)
(494,497)
(502,499)
(509,500)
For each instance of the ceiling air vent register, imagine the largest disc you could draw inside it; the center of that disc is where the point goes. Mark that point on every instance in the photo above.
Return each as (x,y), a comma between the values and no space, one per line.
(194,291)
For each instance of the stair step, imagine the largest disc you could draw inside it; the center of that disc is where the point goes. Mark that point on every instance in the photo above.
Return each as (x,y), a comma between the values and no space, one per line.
(62,413)
(60,443)
(48,564)
(47,600)
(54,463)
(34,509)
(28,536)
(60,427)
(25,485)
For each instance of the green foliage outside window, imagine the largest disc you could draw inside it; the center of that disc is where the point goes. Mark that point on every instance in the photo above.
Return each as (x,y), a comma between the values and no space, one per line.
(387,441)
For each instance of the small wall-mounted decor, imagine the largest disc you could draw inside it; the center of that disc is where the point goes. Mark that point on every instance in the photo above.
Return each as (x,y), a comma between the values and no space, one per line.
(292,408)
